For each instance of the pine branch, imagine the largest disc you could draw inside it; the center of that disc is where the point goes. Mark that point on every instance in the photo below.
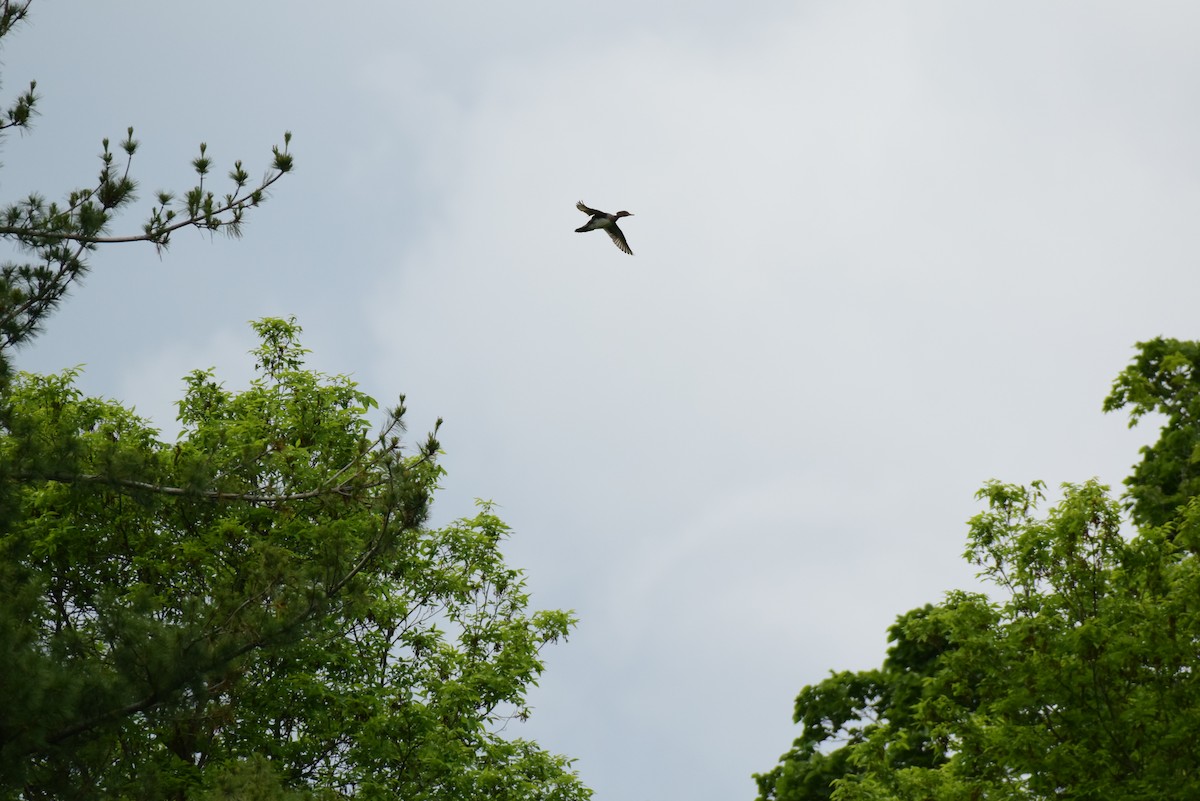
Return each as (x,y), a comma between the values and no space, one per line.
(201,216)
(61,235)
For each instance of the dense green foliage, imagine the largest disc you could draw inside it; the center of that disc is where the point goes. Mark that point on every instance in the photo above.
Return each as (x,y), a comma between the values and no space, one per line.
(259,598)
(1074,677)
(1164,378)
(258,609)
(847,709)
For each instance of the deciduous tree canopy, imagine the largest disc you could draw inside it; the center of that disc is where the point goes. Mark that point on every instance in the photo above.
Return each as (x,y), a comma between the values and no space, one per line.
(259,598)
(1074,677)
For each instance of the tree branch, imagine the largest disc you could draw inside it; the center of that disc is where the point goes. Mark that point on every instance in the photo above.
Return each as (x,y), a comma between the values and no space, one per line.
(344,489)
(157,234)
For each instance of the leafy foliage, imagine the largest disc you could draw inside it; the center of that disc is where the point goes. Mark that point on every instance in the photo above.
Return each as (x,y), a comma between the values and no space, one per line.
(259,602)
(1165,379)
(842,714)
(1076,677)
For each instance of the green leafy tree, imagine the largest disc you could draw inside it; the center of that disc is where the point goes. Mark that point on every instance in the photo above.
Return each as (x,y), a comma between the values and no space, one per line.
(1164,378)
(845,711)
(258,602)
(1074,677)
(1080,682)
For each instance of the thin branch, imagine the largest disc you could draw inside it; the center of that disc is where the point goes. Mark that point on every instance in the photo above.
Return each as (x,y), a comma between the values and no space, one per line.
(343,489)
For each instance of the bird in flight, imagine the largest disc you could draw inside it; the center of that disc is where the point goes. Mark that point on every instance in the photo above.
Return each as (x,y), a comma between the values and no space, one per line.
(607,223)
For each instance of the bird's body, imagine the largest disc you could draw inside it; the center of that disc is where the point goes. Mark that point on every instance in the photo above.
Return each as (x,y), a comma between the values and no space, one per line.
(607,223)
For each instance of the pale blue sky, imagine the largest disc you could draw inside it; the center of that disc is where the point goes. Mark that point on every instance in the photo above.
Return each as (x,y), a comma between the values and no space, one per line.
(885,252)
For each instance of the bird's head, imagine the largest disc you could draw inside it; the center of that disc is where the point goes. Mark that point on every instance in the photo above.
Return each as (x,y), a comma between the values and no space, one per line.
(623,214)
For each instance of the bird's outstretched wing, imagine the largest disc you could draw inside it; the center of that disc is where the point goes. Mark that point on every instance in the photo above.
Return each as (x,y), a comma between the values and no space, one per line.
(618,238)
(585,209)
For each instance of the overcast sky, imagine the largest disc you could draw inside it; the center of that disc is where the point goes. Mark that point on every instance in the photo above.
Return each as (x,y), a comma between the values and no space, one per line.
(885,252)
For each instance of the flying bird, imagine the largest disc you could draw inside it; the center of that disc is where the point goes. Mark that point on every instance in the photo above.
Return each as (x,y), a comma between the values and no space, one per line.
(606,222)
